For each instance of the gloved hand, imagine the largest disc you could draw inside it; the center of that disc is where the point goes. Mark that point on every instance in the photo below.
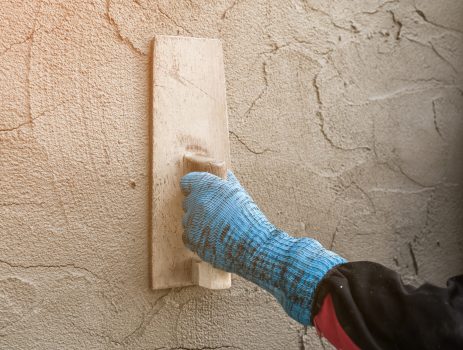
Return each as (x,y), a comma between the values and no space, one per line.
(225,227)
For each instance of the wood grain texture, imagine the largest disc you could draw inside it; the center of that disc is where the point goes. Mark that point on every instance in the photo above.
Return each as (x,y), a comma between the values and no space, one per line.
(205,275)
(198,162)
(189,115)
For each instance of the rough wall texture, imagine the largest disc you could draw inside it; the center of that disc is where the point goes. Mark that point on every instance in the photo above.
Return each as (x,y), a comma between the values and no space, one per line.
(346,124)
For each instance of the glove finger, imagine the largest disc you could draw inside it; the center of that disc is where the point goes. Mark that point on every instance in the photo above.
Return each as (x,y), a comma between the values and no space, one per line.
(191,236)
(185,204)
(193,179)
(232,178)
(193,202)
(184,220)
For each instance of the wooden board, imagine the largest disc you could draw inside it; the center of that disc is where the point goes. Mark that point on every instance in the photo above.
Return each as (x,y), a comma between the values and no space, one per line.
(189,115)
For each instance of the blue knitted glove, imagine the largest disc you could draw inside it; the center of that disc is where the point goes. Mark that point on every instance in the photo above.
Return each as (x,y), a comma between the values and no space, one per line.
(226,228)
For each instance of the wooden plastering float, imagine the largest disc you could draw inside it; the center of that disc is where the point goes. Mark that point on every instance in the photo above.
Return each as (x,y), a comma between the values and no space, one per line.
(190,133)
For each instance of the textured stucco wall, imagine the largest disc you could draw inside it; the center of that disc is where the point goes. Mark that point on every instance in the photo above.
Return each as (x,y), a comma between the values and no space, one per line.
(346,124)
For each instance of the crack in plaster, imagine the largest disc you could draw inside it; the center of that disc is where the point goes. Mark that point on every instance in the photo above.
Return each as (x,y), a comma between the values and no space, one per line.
(335,232)
(180,308)
(25,40)
(32,119)
(321,124)
(436,126)
(51,266)
(430,45)
(29,118)
(166,15)
(438,54)
(91,333)
(398,168)
(147,318)
(117,30)
(263,91)
(127,339)
(275,47)
(333,236)
(401,171)
(67,15)
(229,8)
(29,37)
(353,28)
(412,254)
(307,5)
(365,193)
(246,146)
(27,122)
(424,17)
(321,121)
(398,23)
(317,91)
(428,211)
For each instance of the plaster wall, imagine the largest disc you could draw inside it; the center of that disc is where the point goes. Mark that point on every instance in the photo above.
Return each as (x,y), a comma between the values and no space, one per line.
(345,124)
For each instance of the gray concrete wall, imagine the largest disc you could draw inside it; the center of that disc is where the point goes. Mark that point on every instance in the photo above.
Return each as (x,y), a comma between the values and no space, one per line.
(345,124)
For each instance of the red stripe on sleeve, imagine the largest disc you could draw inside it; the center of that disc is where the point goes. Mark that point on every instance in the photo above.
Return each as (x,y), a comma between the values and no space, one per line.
(328,326)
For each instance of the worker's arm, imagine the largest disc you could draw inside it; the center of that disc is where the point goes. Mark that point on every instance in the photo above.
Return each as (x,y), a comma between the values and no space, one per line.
(354,305)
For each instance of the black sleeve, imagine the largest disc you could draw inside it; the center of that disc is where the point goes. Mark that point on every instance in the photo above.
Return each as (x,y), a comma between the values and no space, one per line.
(376,310)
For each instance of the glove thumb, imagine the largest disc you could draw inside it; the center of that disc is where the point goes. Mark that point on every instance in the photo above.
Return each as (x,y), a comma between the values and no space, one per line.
(231,178)
(190,180)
